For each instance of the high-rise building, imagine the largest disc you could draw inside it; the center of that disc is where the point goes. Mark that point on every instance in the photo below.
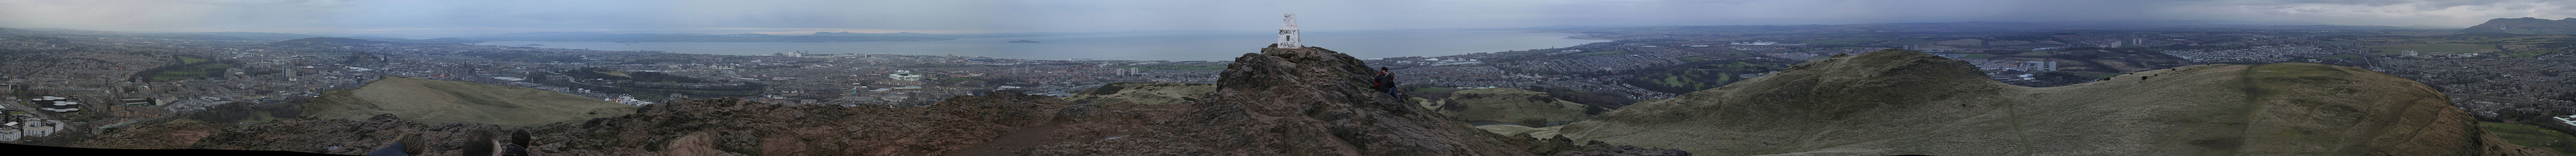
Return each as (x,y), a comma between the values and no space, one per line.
(1288,32)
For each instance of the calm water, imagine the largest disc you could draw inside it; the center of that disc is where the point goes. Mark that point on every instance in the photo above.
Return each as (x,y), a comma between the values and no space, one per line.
(1192,46)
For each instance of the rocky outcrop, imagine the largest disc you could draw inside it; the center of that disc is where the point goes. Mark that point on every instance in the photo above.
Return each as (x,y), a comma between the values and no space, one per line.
(752,128)
(1305,101)
(2525,25)
(339,136)
(154,136)
(1894,102)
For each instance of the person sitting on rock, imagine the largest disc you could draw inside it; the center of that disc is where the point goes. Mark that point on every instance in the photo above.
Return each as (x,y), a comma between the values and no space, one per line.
(485,143)
(1386,83)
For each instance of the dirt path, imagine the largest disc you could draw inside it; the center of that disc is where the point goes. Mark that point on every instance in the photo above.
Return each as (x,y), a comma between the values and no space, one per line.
(1003,146)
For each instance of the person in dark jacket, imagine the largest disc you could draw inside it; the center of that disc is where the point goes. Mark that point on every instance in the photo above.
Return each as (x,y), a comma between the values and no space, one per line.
(1386,83)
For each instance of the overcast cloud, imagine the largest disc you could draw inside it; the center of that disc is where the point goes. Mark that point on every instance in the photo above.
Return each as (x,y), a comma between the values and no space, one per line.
(463,17)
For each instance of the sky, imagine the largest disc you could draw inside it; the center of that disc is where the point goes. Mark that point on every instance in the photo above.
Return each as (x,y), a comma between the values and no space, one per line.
(474,17)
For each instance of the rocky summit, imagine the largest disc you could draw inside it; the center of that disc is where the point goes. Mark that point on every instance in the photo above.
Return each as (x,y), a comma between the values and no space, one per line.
(1895,102)
(1303,101)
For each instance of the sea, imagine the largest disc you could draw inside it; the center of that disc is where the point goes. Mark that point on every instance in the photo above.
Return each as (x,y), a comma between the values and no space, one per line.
(1174,46)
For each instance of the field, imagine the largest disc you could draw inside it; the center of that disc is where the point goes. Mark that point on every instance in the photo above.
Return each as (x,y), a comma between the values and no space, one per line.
(186,60)
(2445,47)
(438,101)
(2533,136)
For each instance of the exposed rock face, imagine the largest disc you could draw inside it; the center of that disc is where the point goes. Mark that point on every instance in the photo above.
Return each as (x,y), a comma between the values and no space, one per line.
(339,136)
(2525,25)
(1305,101)
(752,128)
(1896,102)
(156,136)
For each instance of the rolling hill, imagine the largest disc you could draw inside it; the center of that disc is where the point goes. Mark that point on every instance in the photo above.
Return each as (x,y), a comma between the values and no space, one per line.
(2525,25)
(1895,102)
(1508,105)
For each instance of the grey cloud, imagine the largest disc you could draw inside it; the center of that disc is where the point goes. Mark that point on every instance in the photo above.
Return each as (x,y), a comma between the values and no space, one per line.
(743,16)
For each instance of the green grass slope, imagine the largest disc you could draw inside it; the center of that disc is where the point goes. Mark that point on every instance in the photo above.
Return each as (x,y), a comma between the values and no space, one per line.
(1897,102)
(1508,105)
(2533,136)
(458,101)
(1144,93)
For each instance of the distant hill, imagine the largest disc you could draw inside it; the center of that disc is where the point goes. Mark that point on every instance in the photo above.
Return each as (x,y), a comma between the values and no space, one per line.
(845,33)
(1895,102)
(2525,25)
(437,101)
(542,34)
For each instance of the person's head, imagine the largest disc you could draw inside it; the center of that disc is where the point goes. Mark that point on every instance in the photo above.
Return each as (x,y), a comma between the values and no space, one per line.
(519,137)
(480,143)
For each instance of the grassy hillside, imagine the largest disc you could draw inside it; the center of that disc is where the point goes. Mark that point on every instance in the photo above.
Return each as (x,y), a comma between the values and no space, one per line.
(1903,102)
(1145,93)
(1508,105)
(458,101)
(2534,136)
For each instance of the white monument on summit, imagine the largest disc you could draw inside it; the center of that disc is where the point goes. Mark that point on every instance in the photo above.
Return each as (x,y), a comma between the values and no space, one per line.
(1288,32)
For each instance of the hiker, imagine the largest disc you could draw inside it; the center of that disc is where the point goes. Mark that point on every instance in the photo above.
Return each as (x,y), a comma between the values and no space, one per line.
(1386,83)
(485,143)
